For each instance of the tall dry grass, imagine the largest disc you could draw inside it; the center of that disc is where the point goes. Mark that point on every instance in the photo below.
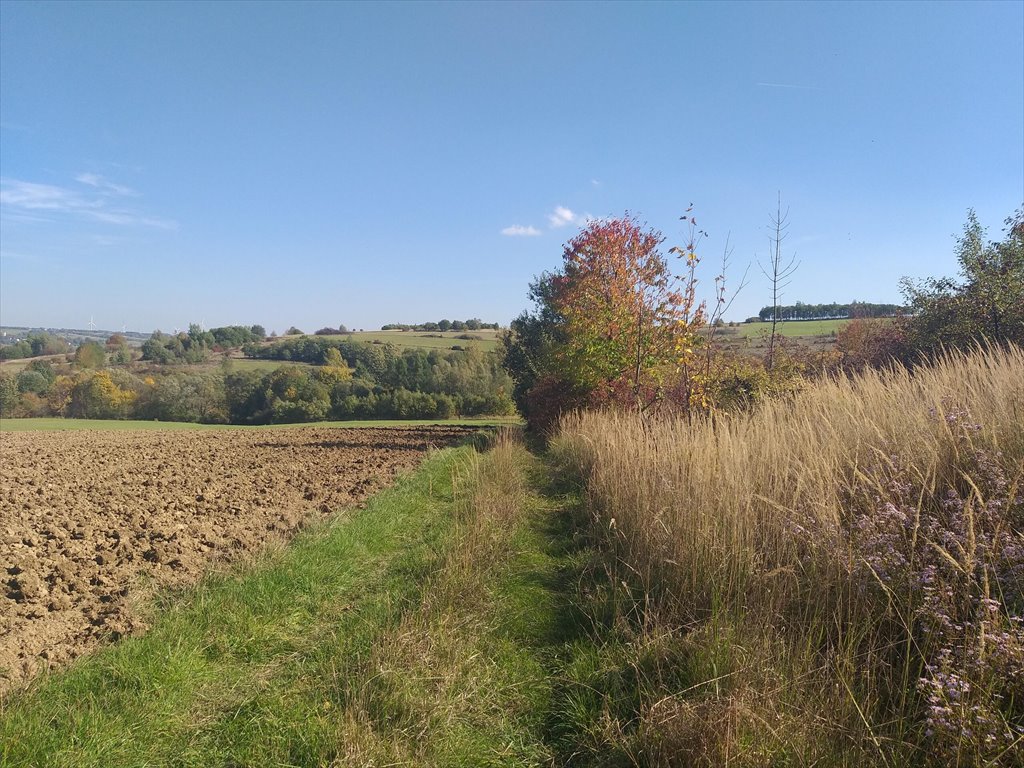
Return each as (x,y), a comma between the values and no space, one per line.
(852,558)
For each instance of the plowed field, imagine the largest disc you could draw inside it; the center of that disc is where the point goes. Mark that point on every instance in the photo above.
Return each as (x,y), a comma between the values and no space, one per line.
(91,522)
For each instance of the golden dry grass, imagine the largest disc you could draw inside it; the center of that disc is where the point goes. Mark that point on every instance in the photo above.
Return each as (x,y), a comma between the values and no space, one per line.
(716,501)
(710,520)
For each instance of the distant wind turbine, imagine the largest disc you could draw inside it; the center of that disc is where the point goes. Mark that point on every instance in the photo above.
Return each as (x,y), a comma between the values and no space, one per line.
(92,325)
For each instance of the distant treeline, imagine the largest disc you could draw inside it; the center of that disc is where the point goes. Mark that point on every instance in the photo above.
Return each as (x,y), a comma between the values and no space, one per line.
(388,366)
(190,347)
(298,394)
(383,381)
(346,380)
(195,346)
(473,324)
(35,344)
(801,311)
(288,394)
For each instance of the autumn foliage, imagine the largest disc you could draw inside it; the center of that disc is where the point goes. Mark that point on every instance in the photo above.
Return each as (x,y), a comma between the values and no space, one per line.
(615,326)
(872,343)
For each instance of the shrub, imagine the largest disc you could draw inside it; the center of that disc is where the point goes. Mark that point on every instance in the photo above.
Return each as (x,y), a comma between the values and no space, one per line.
(197,398)
(987,305)
(299,411)
(293,395)
(245,397)
(549,399)
(8,394)
(98,396)
(45,343)
(32,381)
(872,343)
(16,351)
(90,354)
(32,406)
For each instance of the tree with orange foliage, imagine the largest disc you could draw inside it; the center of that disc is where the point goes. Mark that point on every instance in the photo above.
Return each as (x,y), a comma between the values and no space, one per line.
(614,326)
(628,319)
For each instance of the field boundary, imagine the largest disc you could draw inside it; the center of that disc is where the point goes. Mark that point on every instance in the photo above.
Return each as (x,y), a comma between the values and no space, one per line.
(58,424)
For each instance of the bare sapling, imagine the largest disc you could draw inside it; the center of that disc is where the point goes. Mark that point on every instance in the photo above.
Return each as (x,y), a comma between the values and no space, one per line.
(778,272)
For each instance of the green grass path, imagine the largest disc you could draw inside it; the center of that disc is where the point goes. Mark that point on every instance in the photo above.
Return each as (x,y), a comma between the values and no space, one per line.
(434,627)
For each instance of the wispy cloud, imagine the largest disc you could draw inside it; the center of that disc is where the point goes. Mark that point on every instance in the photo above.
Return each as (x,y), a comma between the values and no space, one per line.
(30,196)
(27,200)
(518,230)
(595,182)
(100,183)
(128,218)
(791,85)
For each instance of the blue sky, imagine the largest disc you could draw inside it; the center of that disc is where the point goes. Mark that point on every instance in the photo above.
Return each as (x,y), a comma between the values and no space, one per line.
(363,163)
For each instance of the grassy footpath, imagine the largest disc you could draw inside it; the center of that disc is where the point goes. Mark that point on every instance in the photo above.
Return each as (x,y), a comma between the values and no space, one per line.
(448,623)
